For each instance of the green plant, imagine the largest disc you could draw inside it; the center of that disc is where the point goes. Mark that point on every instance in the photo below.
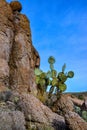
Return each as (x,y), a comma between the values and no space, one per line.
(81,97)
(52,78)
(84,115)
(77,110)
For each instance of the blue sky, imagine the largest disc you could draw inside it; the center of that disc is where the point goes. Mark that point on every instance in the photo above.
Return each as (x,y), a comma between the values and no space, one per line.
(59,29)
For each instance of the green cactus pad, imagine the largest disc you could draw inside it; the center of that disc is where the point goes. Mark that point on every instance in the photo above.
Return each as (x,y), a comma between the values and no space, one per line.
(37,79)
(54,73)
(51,67)
(49,82)
(37,71)
(42,82)
(70,74)
(63,68)
(51,60)
(62,87)
(43,75)
(54,82)
(49,74)
(62,77)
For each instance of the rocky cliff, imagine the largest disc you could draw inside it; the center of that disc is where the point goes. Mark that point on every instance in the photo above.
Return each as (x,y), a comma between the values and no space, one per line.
(18,57)
(19,108)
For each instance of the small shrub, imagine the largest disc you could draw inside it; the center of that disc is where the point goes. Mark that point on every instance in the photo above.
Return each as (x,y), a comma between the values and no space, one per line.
(81,97)
(84,115)
(78,110)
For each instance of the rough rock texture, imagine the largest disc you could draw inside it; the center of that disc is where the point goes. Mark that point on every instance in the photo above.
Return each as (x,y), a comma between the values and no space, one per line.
(18,58)
(32,107)
(24,58)
(16,6)
(75,122)
(6,41)
(63,105)
(12,120)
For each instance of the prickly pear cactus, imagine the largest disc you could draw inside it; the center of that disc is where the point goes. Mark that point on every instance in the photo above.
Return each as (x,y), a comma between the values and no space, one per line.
(51,60)
(53,79)
(70,74)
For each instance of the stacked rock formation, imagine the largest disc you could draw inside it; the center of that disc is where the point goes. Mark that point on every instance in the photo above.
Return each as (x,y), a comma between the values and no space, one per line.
(19,108)
(18,57)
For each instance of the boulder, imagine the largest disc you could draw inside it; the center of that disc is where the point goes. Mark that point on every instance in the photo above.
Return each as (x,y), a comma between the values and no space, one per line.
(16,6)
(35,111)
(75,122)
(63,105)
